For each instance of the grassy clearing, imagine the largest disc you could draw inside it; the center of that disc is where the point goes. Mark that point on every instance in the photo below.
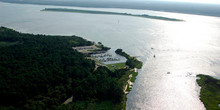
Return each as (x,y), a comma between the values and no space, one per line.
(115,66)
(133,78)
(134,75)
(210,91)
(128,89)
(132,62)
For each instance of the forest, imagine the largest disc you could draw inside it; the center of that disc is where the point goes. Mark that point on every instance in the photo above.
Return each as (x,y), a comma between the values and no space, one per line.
(210,91)
(39,72)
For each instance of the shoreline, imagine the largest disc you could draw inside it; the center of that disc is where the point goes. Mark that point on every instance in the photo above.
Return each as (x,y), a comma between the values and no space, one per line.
(89,90)
(210,91)
(128,87)
(127,71)
(110,13)
(82,4)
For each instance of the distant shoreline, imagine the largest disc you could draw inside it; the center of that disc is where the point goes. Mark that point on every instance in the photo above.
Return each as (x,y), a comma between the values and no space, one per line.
(162,6)
(109,13)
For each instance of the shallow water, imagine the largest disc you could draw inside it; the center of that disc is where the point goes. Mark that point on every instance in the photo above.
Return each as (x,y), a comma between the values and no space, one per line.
(184,49)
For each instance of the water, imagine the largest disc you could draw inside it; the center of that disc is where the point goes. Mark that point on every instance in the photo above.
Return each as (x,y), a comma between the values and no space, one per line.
(200,7)
(184,49)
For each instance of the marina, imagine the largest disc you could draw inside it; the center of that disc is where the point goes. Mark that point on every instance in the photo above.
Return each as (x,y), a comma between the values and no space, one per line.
(96,53)
(192,48)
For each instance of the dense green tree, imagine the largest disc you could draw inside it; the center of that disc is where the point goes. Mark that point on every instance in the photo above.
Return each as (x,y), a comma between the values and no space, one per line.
(39,72)
(132,62)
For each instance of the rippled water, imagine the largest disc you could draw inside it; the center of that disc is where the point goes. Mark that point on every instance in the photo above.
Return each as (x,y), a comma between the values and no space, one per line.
(184,49)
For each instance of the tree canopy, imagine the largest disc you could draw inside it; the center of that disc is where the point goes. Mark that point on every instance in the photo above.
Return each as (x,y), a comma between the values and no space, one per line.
(39,72)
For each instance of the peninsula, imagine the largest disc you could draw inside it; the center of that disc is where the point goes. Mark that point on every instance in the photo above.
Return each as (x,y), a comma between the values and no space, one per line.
(210,91)
(109,13)
(41,72)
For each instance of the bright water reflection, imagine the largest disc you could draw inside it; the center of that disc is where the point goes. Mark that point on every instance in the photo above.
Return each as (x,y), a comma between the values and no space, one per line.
(184,49)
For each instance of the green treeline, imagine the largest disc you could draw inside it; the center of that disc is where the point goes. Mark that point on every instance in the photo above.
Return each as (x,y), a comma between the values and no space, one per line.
(132,62)
(210,91)
(39,72)
(110,13)
(103,48)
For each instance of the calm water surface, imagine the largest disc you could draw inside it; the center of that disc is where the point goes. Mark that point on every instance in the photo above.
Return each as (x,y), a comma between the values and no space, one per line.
(184,49)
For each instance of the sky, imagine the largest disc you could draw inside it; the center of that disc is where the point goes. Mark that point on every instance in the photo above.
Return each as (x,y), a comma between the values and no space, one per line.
(197,1)
(194,1)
